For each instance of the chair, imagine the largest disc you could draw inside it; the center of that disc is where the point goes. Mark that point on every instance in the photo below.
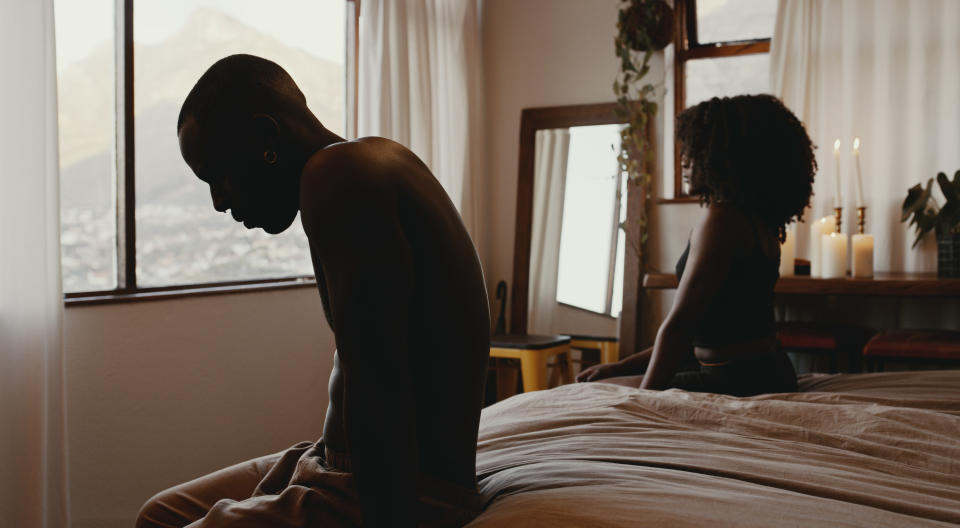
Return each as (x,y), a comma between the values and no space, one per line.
(533,351)
(608,348)
(940,346)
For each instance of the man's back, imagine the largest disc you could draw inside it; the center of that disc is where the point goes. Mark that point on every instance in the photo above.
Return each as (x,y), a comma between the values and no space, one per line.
(404,293)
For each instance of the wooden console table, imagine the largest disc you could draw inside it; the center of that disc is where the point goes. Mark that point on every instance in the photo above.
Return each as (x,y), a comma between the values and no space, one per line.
(882,284)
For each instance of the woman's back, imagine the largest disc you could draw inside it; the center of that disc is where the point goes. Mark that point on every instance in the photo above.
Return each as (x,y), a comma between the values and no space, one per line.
(742,309)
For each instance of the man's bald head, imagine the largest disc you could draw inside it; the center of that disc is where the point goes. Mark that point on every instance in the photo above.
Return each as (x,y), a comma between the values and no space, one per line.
(240,86)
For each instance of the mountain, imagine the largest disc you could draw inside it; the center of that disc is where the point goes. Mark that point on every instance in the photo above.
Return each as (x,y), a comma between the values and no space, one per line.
(164,73)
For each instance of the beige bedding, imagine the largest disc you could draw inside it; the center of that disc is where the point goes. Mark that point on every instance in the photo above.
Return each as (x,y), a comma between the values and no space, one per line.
(868,450)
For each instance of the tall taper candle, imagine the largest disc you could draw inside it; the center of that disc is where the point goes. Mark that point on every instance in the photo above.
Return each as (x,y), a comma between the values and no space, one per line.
(856,163)
(837,200)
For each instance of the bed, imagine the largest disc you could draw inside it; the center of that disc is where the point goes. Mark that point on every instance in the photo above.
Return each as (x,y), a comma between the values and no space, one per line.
(877,450)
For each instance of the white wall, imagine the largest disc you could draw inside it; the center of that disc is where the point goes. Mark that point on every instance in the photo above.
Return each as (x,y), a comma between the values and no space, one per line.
(161,392)
(536,53)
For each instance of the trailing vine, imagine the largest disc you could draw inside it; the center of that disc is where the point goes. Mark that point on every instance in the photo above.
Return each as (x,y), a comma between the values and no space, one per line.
(643,26)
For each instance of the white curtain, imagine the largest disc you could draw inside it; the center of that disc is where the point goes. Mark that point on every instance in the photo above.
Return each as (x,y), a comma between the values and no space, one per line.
(549,181)
(887,71)
(33,485)
(420,85)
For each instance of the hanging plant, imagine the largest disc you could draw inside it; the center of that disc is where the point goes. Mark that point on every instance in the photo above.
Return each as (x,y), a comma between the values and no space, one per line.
(643,26)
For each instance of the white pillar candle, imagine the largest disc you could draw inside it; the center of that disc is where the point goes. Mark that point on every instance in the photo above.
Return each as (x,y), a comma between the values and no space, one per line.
(837,200)
(824,226)
(833,253)
(862,256)
(788,251)
(856,164)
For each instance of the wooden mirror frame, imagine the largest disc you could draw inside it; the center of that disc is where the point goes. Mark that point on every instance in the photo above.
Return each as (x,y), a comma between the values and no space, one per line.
(531,120)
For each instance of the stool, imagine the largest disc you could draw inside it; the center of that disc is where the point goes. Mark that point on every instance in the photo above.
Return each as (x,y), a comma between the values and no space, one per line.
(608,347)
(917,345)
(533,352)
(831,339)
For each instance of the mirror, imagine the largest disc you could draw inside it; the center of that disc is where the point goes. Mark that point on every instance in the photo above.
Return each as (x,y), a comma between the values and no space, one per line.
(576,245)
(568,250)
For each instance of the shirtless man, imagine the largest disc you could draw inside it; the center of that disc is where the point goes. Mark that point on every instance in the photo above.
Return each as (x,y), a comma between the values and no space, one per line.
(401,287)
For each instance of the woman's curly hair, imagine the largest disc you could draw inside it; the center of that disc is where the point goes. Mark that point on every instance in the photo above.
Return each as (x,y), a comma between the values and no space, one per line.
(751,152)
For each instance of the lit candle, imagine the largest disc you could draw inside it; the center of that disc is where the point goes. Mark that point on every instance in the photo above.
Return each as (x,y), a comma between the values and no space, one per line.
(837,200)
(856,162)
(833,252)
(788,251)
(824,226)
(862,256)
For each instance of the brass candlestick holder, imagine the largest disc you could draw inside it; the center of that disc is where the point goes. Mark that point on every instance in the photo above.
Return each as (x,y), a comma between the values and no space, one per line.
(838,212)
(861,218)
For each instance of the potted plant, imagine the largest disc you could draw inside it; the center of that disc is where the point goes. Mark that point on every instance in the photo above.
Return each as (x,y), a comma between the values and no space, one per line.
(924,212)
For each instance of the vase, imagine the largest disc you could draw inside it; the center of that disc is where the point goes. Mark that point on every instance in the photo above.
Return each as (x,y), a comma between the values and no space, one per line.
(948,254)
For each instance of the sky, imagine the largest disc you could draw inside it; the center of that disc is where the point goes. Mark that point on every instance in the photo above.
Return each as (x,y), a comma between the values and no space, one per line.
(723,20)
(316,26)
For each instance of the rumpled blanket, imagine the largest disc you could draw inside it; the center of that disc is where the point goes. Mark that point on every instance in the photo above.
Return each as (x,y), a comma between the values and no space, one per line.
(877,450)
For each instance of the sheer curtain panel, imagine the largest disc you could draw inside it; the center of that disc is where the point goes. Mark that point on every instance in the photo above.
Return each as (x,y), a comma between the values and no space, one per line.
(886,71)
(420,85)
(33,481)
(549,182)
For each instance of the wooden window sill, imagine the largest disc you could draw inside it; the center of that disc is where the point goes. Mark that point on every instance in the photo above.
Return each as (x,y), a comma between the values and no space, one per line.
(189,290)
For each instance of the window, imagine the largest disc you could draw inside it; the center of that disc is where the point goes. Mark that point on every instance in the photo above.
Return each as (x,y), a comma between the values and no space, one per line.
(134,217)
(590,272)
(721,49)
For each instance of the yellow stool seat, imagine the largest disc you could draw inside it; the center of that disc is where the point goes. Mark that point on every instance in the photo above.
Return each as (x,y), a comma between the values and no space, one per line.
(533,351)
(609,347)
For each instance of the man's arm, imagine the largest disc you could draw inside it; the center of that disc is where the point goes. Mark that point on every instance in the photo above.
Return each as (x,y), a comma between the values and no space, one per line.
(351,219)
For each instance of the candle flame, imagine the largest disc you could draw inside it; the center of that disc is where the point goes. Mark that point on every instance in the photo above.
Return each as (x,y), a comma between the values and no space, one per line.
(856,143)
(836,145)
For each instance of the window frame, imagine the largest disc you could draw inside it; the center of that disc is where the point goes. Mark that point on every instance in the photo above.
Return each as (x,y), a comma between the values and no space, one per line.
(687,47)
(127,289)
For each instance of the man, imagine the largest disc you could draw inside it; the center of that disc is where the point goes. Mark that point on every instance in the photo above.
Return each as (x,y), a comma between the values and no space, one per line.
(402,290)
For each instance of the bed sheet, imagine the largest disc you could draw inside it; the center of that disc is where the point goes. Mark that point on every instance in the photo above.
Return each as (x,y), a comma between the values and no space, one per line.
(872,450)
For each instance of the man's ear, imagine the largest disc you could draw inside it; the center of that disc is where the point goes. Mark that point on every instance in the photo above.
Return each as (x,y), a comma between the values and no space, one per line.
(266,131)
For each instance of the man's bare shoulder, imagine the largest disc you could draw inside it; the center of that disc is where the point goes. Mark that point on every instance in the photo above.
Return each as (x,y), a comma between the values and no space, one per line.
(348,182)
(363,158)
(343,169)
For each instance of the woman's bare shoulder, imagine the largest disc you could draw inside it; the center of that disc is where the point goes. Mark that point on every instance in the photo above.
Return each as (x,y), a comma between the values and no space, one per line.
(724,223)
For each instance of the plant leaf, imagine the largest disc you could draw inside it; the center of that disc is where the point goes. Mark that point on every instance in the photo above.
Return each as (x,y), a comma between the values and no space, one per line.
(916,201)
(951,189)
(917,207)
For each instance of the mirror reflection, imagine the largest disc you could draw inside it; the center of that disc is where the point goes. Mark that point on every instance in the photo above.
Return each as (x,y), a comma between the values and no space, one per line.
(577,247)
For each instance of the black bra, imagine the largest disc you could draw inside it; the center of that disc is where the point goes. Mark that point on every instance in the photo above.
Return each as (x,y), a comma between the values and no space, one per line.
(742,310)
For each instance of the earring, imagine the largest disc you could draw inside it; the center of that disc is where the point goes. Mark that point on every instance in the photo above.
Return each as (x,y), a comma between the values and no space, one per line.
(270,156)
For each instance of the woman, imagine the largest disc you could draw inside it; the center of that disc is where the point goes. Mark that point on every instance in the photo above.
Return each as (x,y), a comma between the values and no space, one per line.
(751,162)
